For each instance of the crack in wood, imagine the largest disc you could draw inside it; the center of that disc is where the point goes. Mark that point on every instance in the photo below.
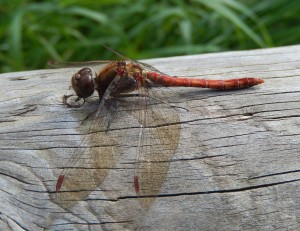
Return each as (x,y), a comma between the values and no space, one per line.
(213,191)
(27,108)
(273,174)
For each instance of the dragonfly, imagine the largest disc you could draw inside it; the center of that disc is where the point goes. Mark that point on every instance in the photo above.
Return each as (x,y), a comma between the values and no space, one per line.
(134,116)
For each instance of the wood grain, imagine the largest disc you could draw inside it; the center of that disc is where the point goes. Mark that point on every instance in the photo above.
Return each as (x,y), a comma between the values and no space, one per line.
(237,165)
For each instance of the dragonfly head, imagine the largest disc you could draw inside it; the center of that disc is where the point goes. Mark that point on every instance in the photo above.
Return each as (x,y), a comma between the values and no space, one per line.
(83,83)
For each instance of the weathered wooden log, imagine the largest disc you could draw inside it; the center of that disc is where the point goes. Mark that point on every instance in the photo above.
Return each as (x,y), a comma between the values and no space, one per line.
(236,167)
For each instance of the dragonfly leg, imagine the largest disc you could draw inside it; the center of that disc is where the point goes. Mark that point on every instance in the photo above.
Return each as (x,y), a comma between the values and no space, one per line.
(75,104)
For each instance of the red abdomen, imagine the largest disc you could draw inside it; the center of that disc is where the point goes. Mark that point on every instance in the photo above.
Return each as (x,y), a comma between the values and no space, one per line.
(229,84)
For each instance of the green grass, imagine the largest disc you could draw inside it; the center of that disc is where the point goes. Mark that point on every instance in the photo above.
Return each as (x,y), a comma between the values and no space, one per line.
(32,32)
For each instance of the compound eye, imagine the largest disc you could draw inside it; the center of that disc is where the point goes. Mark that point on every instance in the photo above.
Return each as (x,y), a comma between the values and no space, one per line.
(83,83)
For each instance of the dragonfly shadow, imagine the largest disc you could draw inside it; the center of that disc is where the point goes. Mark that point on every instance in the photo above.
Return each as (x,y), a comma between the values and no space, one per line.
(206,93)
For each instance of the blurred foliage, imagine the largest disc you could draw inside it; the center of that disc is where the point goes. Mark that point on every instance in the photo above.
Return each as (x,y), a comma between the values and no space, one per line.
(32,32)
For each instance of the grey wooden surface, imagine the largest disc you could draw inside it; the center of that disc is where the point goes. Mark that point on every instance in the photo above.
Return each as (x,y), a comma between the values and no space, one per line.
(237,165)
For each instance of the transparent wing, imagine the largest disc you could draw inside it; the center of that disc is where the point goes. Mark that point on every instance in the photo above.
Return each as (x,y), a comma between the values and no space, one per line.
(148,67)
(55,64)
(158,139)
(99,150)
